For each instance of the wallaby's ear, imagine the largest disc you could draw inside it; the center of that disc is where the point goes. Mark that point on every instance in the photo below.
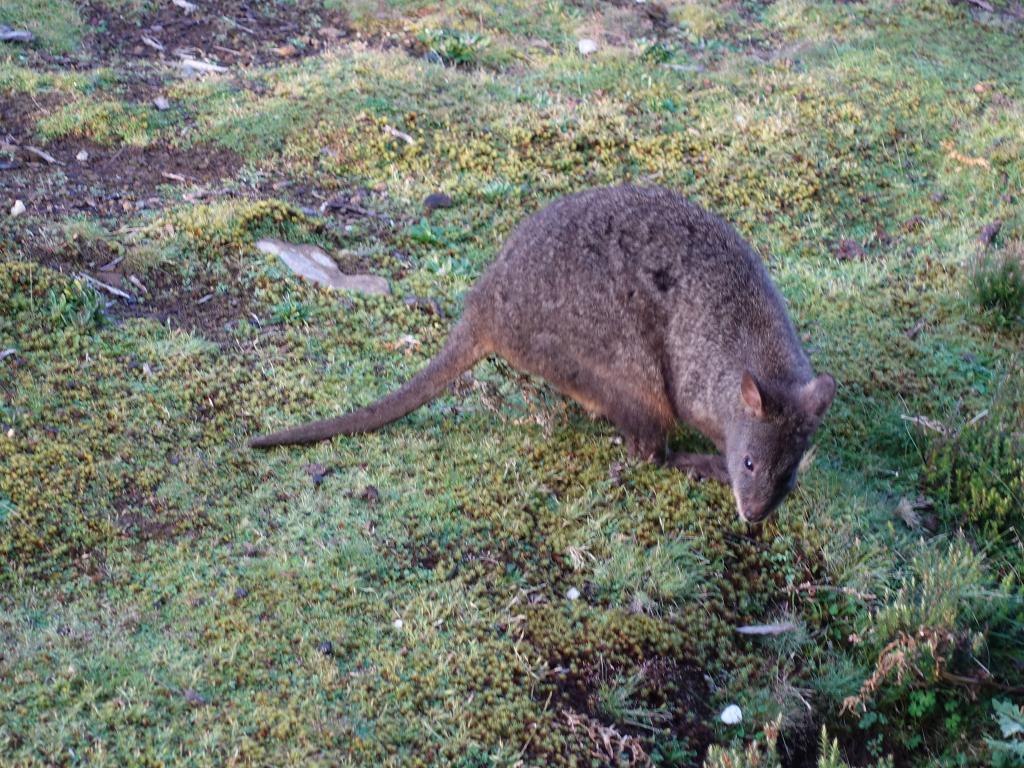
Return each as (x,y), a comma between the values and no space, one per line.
(750,394)
(817,394)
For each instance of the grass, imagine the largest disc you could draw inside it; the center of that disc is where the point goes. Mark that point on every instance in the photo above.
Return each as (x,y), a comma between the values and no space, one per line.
(170,597)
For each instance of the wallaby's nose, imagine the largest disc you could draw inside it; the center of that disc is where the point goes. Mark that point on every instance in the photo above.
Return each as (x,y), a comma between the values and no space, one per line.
(756,513)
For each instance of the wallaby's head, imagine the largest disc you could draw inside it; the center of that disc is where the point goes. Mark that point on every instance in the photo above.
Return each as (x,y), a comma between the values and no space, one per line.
(765,444)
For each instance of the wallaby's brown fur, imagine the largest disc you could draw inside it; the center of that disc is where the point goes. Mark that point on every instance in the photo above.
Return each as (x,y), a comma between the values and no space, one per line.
(646,309)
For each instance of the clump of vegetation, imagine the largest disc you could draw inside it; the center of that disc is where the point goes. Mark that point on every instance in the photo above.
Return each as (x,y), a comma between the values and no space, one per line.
(76,304)
(1008,750)
(997,279)
(455,47)
(976,471)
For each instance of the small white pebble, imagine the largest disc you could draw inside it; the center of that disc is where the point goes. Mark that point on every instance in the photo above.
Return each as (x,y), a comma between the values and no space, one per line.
(82,156)
(731,715)
(586,46)
(161,103)
(398,623)
(18,208)
(573,593)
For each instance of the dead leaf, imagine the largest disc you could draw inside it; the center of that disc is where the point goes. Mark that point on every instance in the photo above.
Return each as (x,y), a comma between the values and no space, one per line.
(36,152)
(105,287)
(924,421)
(917,513)
(962,159)
(196,67)
(137,283)
(11,35)
(777,628)
(390,131)
(315,264)
(905,512)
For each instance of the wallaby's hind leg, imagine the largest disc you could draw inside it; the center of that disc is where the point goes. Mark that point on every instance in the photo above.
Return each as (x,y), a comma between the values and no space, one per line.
(643,416)
(701,466)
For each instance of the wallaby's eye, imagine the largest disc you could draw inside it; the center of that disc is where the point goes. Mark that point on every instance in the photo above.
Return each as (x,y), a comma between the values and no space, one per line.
(749,464)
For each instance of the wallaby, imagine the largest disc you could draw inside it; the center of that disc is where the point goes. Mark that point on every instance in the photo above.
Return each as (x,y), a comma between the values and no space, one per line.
(647,309)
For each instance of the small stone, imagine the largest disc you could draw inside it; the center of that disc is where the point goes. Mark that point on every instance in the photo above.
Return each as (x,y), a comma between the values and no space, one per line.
(572,594)
(326,648)
(398,623)
(586,46)
(18,208)
(731,715)
(161,103)
(989,231)
(82,156)
(847,250)
(437,200)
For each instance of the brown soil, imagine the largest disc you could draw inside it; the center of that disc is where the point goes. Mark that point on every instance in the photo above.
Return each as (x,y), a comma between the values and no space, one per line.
(228,32)
(686,710)
(113,181)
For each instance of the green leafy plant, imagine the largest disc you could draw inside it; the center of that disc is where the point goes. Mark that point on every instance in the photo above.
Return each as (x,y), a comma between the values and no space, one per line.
(618,701)
(997,281)
(1009,750)
(290,311)
(977,470)
(76,305)
(455,47)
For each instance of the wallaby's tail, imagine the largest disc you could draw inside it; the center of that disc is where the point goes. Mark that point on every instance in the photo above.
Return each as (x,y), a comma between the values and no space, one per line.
(460,351)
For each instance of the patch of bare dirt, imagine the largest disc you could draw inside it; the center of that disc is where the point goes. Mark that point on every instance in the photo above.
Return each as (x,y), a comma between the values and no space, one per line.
(110,181)
(231,32)
(675,696)
(104,181)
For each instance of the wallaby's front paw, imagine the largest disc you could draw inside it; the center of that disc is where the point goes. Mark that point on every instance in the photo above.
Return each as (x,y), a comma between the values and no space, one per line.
(700,466)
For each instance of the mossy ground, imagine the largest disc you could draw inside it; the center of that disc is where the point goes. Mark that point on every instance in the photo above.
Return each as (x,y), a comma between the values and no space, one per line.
(170,597)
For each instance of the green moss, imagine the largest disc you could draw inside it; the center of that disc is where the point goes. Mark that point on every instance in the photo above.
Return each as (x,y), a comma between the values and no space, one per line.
(55,24)
(178,598)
